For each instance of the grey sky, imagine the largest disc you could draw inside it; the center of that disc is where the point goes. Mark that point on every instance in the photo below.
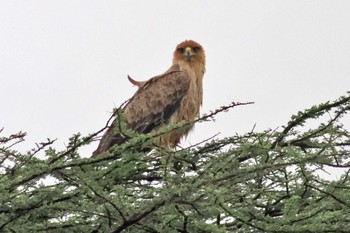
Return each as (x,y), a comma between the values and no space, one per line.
(64,63)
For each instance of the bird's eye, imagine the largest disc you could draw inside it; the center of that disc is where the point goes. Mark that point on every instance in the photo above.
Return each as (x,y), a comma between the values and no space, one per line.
(180,50)
(195,49)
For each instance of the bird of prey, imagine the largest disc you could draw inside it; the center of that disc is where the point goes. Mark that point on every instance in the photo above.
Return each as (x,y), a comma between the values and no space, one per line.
(169,98)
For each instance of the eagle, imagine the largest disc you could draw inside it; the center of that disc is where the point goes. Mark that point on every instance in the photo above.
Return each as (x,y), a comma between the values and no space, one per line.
(169,98)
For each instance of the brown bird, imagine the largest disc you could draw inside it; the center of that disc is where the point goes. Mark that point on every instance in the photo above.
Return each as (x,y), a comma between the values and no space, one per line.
(171,97)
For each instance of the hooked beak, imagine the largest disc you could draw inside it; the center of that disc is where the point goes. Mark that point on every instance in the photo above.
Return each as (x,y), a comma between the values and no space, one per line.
(188,53)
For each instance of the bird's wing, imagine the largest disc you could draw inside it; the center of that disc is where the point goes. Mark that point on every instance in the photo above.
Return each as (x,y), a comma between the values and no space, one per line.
(151,106)
(154,103)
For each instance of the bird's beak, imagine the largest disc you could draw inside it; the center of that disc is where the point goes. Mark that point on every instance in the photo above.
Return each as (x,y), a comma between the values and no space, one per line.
(188,52)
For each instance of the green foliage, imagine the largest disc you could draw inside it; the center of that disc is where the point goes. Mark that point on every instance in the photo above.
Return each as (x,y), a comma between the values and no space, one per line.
(257,182)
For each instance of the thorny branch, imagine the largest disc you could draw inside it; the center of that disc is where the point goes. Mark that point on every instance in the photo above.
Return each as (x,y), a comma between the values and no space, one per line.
(308,114)
(233,186)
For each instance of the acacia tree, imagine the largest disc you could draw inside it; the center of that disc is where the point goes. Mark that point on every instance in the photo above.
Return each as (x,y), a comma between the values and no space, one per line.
(257,182)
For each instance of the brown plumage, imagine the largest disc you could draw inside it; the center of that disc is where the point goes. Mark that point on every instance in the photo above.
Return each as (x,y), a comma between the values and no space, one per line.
(171,97)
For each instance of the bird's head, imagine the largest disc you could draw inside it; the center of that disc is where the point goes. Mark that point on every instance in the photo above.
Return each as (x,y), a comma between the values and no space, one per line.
(189,51)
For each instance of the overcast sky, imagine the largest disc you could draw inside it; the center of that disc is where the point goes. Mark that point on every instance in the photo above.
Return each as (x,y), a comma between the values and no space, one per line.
(64,63)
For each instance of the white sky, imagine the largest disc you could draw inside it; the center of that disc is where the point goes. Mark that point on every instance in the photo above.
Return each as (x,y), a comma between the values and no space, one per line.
(64,63)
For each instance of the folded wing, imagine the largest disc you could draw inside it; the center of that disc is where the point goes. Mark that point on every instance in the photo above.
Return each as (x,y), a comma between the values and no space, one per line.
(151,106)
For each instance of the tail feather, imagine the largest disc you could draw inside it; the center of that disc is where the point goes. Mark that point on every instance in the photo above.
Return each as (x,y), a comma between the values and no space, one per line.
(109,139)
